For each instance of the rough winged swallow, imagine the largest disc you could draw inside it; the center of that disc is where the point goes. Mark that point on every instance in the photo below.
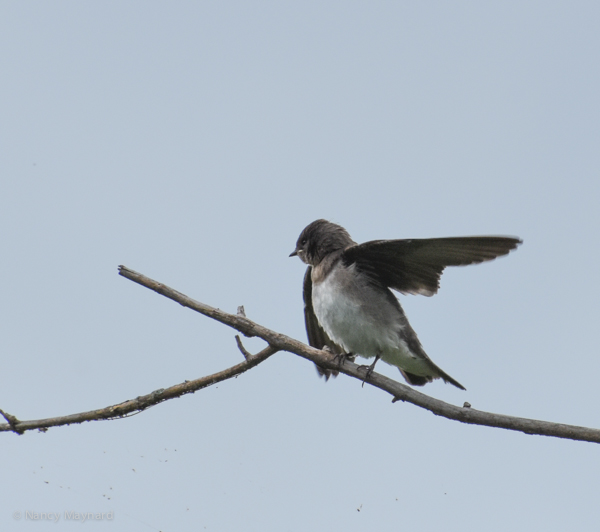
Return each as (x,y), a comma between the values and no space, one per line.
(348,304)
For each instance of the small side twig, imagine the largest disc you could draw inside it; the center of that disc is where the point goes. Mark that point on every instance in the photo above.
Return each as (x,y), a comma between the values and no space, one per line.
(247,355)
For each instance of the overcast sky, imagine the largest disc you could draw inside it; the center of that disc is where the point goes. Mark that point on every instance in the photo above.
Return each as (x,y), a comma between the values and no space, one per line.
(192,142)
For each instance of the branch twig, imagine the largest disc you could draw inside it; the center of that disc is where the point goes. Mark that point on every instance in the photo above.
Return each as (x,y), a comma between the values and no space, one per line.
(134,406)
(241,347)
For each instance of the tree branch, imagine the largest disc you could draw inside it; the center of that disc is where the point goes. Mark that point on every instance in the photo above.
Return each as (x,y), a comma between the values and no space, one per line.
(137,405)
(400,392)
(280,342)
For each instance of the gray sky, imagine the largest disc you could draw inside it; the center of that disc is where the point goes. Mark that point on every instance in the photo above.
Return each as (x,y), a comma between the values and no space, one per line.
(192,142)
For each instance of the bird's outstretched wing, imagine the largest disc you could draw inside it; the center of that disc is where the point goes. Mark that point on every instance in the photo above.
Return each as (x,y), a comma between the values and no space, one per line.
(317,337)
(414,266)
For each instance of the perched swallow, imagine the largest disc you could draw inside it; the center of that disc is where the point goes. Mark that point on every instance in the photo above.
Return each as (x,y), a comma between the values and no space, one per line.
(348,304)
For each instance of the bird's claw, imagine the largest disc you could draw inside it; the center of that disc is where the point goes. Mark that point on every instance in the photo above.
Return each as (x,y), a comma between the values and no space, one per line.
(369,369)
(340,358)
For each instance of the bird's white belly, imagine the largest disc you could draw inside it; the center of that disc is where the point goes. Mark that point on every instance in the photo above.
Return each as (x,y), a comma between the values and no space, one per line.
(363,324)
(350,321)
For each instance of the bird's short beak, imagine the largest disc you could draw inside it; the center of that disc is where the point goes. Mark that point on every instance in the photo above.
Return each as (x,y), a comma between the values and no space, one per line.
(294,253)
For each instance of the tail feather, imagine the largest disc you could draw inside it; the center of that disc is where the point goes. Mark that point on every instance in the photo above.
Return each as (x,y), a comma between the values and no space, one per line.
(418,380)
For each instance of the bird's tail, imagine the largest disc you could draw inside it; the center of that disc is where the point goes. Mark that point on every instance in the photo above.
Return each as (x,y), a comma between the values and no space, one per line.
(418,380)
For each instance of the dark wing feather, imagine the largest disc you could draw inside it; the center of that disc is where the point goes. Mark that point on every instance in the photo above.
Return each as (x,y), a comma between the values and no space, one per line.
(317,337)
(415,266)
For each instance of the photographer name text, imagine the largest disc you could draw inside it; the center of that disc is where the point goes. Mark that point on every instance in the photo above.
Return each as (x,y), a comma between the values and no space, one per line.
(82,517)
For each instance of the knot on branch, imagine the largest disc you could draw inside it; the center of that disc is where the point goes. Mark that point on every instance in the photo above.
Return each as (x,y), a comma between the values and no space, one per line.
(12,421)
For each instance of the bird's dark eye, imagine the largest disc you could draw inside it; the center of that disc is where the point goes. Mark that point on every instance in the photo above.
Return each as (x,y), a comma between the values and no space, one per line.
(303,242)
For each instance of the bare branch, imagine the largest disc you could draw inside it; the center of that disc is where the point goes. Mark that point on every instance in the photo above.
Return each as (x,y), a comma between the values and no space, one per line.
(280,342)
(400,392)
(137,405)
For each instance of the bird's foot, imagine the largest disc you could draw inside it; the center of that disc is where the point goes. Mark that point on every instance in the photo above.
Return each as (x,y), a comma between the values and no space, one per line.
(340,358)
(369,369)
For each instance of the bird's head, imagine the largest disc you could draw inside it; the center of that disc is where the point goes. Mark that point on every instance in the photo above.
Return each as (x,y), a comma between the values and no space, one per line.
(319,239)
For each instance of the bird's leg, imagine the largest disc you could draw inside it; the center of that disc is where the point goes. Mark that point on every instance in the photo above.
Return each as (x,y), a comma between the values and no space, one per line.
(369,369)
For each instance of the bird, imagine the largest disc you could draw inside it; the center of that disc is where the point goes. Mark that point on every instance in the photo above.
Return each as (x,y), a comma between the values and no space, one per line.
(349,306)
